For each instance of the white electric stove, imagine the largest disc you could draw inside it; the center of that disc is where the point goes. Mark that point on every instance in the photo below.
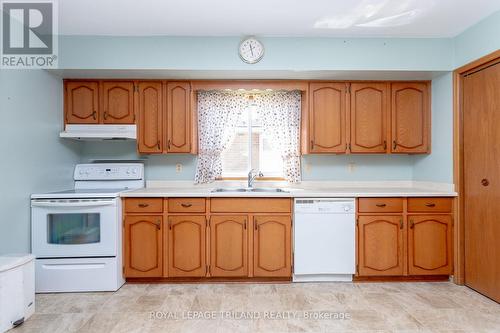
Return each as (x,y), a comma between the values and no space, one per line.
(76,235)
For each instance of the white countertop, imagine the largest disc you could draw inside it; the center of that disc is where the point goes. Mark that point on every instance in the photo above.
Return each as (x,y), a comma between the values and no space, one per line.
(305,189)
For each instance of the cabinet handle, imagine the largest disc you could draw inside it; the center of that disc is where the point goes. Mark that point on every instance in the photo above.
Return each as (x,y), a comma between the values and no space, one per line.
(105,115)
(394,145)
(168,144)
(158,144)
(430,204)
(256,226)
(94,115)
(385,145)
(186,205)
(401,224)
(312,144)
(170,224)
(245,224)
(381,205)
(158,224)
(485,182)
(412,224)
(143,205)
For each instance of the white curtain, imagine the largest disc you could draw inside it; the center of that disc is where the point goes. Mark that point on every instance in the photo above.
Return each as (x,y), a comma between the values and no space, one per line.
(280,114)
(218,113)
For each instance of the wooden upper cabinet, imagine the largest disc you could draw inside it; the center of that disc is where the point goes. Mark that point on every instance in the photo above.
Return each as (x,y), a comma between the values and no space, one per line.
(150,106)
(380,245)
(272,246)
(228,246)
(369,117)
(429,245)
(82,102)
(186,242)
(178,117)
(410,117)
(327,118)
(118,102)
(143,246)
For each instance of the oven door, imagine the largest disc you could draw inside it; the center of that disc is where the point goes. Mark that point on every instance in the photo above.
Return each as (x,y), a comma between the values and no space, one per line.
(69,228)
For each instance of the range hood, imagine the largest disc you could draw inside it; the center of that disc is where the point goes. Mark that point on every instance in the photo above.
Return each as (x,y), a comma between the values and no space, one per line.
(100,132)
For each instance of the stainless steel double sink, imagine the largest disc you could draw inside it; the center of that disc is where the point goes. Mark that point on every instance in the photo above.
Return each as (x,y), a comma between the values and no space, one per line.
(249,189)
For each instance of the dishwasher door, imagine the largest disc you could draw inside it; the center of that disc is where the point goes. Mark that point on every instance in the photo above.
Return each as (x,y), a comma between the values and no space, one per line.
(324,239)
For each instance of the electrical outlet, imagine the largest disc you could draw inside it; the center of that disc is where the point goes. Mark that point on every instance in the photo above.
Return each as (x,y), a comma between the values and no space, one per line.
(178,167)
(350,167)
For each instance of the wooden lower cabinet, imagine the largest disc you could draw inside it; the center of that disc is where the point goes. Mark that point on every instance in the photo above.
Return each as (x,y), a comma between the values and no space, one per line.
(272,246)
(186,246)
(143,246)
(429,245)
(228,246)
(380,245)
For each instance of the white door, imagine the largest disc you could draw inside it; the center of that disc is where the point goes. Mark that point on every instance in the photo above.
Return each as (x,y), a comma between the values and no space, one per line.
(74,228)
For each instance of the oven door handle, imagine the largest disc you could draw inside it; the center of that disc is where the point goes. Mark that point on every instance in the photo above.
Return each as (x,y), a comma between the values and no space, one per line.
(72,204)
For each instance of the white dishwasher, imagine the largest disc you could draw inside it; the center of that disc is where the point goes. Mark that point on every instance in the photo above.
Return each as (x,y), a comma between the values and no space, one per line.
(324,239)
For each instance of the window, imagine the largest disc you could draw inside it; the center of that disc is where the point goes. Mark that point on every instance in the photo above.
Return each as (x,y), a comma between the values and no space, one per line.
(251,149)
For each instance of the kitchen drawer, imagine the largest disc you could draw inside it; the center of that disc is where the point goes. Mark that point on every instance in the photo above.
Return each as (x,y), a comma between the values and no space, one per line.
(254,205)
(435,205)
(380,205)
(186,205)
(144,205)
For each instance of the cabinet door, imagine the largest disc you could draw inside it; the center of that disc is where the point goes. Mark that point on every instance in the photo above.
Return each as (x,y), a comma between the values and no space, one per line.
(271,246)
(178,117)
(429,245)
(410,117)
(149,139)
(118,102)
(369,112)
(380,245)
(228,246)
(327,117)
(143,246)
(186,243)
(82,102)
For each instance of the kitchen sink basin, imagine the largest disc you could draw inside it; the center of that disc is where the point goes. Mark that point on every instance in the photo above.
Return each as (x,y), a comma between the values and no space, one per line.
(256,189)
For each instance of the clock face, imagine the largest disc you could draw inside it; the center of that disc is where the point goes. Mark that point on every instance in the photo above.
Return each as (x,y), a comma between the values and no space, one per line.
(251,50)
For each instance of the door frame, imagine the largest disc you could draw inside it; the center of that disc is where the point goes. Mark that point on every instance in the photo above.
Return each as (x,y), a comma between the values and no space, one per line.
(458,161)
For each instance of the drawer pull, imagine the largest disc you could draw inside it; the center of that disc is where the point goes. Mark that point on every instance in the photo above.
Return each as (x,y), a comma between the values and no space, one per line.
(381,205)
(143,205)
(430,204)
(186,205)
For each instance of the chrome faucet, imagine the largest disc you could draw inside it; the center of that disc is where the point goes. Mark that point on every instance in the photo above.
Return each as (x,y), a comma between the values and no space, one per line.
(252,175)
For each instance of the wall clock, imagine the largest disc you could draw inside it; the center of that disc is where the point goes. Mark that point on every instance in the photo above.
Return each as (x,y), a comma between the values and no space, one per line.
(251,50)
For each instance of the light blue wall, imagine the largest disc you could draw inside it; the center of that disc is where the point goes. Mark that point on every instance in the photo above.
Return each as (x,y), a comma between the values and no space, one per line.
(220,53)
(438,166)
(477,41)
(34,159)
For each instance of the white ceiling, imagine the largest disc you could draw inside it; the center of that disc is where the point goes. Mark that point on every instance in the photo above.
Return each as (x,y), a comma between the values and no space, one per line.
(333,18)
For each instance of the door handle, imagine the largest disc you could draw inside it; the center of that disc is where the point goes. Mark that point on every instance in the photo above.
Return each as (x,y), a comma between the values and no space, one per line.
(186,205)
(485,182)
(430,204)
(381,205)
(158,224)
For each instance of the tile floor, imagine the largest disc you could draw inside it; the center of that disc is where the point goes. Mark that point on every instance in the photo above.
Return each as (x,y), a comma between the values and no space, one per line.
(366,307)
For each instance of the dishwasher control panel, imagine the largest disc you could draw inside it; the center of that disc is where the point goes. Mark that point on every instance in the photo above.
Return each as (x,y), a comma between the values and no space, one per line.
(325,205)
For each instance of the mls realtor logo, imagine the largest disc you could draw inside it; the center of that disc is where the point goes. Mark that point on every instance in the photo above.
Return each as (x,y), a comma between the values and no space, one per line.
(29,34)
